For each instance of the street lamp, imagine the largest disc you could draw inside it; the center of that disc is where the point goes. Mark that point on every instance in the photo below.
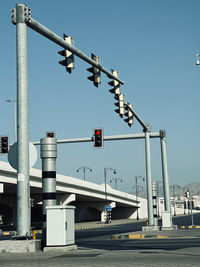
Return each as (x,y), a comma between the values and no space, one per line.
(105,178)
(137,190)
(15,116)
(116,180)
(84,168)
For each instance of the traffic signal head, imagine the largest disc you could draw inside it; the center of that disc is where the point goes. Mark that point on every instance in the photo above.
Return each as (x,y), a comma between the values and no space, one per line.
(4,144)
(129,114)
(116,85)
(68,62)
(120,105)
(96,74)
(187,194)
(98,138)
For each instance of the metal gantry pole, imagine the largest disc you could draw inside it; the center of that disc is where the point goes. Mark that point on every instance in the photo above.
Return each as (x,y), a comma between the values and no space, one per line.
(48,154)
(149,179)
(136,190)
(105,138)
(166,190)
(23,186)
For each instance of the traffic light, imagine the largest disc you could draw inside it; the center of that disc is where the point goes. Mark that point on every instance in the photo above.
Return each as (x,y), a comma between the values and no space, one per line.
(129,114)
(98,138)
(4,144)
(120,104)
(96,74)
(68,62)
(187,194)
(115,83)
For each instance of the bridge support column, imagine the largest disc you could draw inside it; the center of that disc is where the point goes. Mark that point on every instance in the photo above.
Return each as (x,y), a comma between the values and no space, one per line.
(65,199)
(103,212)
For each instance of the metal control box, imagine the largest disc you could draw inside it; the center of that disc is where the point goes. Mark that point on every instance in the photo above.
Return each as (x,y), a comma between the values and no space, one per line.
(166,219)
(60,225)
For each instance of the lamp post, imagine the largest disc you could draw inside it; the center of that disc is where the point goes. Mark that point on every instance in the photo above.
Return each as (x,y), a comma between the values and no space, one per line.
(137,190)
(84,168)
(105,178)
(116,180)
(15,115)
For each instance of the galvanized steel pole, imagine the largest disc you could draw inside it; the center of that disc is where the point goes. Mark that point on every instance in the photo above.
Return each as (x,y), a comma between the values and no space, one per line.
(166,190)
(148,178)
(105,138)
(23,186)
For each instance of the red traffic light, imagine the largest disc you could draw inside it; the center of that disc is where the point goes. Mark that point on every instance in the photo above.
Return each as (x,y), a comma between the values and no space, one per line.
(98,138)
(97,132)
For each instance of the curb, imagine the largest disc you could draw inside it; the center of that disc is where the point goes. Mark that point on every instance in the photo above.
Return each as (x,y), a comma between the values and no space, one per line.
(137,236)
(92,226)
(147,236)
(142,236)
(189,227)
(14,233)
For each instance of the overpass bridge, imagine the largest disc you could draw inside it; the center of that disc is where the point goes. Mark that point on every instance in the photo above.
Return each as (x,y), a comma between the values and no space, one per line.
(88,198)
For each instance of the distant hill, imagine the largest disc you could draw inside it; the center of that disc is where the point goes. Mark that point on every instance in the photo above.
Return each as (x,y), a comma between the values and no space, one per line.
(178,190)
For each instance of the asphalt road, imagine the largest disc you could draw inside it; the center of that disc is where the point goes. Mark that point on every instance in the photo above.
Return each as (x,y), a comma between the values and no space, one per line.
(96,248)
(100,250)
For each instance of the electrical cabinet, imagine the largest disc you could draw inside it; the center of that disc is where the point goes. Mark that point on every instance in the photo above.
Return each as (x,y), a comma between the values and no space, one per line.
(60,225)
(166,219)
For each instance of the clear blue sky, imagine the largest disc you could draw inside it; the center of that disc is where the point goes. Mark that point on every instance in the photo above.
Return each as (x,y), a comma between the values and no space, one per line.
(152,44)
